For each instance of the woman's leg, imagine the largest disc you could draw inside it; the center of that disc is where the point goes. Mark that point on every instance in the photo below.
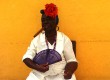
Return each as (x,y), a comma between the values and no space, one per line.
(33,77)
(59,77)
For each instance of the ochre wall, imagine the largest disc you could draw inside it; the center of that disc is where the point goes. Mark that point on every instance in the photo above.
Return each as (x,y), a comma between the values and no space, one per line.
(86,21)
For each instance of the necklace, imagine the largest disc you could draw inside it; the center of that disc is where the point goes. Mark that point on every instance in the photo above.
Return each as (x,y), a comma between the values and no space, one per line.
(48,50)
(47,42)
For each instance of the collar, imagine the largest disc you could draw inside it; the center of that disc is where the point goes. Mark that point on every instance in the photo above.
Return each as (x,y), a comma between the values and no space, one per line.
(42,36)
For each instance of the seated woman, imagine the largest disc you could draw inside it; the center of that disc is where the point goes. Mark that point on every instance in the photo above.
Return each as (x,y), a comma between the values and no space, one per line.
(50,53)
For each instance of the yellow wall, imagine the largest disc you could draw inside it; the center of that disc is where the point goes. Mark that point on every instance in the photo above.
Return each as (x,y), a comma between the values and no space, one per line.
(86,21)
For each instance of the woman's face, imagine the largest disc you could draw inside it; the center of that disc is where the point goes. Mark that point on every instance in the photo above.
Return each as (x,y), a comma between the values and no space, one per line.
(48,23)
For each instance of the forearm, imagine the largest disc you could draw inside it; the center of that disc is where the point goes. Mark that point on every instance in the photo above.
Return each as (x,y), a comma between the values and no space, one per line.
(71,67)
(30,63)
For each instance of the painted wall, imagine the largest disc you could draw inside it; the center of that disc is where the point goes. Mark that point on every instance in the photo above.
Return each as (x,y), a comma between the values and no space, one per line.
(86,21)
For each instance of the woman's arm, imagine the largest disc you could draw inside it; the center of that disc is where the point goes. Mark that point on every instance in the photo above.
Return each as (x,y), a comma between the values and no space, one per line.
(70,58)
(31,64)
(28,58)
(70,68)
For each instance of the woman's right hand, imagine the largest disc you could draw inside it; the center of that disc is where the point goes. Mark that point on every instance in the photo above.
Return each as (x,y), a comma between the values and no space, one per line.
(43,67)
(33,65)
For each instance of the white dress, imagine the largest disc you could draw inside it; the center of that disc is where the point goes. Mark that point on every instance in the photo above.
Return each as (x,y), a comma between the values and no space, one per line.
(56,70)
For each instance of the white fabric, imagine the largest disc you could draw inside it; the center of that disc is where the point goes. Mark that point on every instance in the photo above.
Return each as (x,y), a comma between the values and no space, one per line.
(54,77)
(63,46)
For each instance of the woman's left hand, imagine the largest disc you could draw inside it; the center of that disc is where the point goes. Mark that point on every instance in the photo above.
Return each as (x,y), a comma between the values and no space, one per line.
(67,75)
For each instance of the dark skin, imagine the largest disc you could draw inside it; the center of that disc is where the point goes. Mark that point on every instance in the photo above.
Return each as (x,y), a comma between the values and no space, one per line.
(49,26)
(31,64)
(70,68)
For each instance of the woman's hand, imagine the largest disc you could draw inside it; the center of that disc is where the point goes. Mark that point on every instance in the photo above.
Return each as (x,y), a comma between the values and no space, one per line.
(33,65)
(70,69)
(43,67)
(67,75)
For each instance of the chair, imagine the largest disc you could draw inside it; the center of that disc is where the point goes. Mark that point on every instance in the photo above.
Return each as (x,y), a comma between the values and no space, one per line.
(74,46)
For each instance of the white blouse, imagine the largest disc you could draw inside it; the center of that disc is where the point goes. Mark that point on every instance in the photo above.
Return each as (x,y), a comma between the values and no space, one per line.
(63,46)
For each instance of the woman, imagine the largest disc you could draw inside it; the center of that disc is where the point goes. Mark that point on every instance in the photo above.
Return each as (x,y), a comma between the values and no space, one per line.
(50,53)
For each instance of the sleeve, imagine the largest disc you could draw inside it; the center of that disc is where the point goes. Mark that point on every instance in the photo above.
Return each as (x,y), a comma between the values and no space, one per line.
(31,51)
(68,51)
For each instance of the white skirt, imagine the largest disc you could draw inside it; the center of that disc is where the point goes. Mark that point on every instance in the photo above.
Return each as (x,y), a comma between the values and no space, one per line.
(60,76)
